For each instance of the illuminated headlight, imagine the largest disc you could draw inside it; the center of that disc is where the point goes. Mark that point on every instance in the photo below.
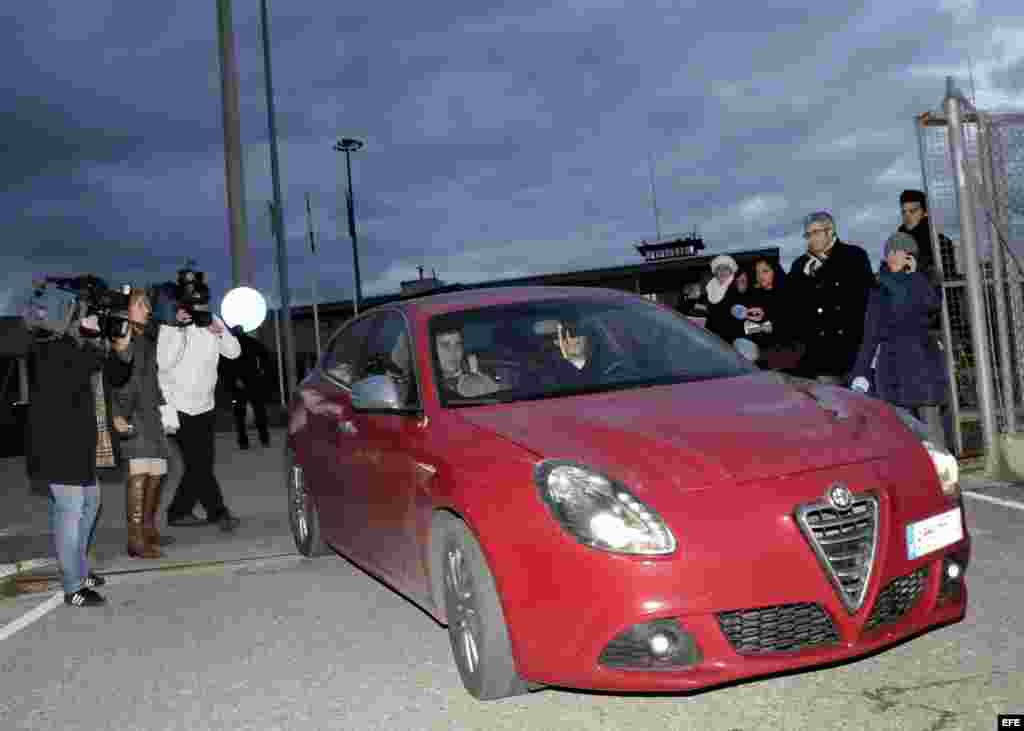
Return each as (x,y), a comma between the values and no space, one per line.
(947,469)
(600,512)
(946,466)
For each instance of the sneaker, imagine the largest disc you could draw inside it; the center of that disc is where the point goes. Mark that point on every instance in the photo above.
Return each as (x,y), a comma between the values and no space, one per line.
(84,597)
(93,580)
(227,522)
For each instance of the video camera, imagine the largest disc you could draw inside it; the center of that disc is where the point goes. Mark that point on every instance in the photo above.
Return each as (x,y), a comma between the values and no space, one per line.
(92,296)
(192,294)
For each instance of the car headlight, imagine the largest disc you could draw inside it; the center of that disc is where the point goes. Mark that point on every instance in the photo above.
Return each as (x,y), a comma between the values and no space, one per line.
(946,466)
(600,512)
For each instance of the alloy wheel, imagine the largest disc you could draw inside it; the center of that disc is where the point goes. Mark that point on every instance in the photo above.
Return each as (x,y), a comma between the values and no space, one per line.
(464,615)
(300,505)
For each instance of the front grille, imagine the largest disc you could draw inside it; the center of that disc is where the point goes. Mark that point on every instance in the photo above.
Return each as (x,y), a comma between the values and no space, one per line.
(897,598)
(782,628)
(844,541)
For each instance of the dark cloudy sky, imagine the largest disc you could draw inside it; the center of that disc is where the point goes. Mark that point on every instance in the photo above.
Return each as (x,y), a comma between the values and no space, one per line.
(502,139)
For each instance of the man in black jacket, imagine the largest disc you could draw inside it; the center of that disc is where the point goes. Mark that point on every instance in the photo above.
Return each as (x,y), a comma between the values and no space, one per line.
(68,436)
(914,215)
(827,292)
(247,379)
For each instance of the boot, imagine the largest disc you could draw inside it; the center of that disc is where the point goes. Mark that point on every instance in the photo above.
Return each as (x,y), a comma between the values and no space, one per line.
(150,508)
(135,510)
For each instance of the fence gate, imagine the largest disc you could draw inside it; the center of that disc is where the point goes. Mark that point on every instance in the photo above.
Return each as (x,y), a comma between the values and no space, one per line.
(993,145)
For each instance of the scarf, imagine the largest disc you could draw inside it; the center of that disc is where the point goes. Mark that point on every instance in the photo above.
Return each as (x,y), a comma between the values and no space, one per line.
(897,285)
(104,446)
(716,290)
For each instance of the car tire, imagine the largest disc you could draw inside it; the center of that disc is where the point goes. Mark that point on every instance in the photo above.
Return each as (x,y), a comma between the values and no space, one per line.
(476,622)
(303,516)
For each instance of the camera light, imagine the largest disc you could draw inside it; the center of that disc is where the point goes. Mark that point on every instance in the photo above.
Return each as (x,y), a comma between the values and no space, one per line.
(244,306)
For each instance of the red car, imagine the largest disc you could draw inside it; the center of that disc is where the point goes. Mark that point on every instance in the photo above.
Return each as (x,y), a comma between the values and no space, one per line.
(592,492)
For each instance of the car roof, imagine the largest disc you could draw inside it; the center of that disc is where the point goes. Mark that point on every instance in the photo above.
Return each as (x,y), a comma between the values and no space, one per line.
(435,304)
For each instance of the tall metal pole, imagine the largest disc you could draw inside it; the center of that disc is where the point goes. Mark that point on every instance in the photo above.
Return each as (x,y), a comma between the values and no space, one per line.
(278,212)
(349,145)
(947,328)
(998,273)
(241,265)
(975,282)
(315,277)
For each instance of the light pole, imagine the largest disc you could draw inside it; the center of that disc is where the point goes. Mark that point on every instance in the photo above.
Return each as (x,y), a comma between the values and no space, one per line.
(277,210)
(241,266)
(348,146)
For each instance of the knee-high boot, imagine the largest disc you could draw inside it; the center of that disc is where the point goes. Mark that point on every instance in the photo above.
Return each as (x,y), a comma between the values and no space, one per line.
(150,508)
(135,510)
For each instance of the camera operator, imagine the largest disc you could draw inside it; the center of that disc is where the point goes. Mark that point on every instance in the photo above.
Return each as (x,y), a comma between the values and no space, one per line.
(187,357)
(69,432)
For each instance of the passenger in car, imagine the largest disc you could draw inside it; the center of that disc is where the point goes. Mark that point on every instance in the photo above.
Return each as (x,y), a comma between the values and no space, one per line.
(460,374)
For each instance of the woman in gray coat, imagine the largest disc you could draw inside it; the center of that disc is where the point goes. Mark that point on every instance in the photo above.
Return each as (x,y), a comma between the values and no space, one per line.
(141,436)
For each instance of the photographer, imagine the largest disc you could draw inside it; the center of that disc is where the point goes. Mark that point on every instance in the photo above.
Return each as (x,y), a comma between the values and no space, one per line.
(74,371)
(187,357)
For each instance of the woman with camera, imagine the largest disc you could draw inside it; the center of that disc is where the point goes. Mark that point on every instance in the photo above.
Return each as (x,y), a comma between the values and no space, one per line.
(140,434)
(898,348)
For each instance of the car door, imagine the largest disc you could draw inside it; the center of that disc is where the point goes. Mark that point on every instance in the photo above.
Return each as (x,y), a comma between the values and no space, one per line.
(331,432)
(386,470)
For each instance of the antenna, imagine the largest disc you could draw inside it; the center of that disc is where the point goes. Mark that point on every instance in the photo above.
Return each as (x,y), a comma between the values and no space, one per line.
(654,196)
(970,73)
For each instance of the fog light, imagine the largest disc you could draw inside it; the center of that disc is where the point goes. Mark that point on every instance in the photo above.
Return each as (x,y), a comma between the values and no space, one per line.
(660,644)
(953,570)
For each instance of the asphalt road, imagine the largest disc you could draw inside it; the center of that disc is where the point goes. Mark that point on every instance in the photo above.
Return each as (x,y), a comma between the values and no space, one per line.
(293,643)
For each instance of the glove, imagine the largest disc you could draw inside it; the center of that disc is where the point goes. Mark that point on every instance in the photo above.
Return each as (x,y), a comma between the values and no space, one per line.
(860,383)
(169,418)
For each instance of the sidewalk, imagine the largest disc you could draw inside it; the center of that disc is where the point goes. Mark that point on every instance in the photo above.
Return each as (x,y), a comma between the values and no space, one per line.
(254,489)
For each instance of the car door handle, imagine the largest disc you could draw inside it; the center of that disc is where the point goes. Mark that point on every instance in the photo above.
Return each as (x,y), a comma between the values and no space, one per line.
(346,427)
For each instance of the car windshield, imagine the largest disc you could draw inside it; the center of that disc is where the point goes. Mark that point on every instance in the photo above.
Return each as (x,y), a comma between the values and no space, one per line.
(563,347)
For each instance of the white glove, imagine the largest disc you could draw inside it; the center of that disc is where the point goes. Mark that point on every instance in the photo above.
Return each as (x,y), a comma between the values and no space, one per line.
(860,383)
(169,418)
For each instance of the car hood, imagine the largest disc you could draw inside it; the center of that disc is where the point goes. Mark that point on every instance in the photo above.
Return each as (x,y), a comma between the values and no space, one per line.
(697,434)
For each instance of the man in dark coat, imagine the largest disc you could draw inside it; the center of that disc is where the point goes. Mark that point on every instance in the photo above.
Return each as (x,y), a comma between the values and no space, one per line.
(69,435)
(914,214)
(827,291)
(247,380)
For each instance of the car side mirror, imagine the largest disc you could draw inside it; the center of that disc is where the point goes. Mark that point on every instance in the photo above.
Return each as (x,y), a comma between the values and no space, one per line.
(376,393)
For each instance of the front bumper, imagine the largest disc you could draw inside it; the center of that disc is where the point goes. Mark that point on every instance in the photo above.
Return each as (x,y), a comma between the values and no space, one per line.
(745,570)
(893,613)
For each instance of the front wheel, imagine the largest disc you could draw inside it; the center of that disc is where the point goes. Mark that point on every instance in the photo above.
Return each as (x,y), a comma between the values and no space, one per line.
(476,623)
(302,513)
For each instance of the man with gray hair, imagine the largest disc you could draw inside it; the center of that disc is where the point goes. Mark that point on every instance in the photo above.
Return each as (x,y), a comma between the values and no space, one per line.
(827,291)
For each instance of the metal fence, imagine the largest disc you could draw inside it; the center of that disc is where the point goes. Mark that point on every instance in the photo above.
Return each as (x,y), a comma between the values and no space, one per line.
(992,146)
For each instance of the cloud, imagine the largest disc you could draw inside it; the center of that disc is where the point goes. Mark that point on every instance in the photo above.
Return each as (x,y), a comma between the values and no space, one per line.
(500,140)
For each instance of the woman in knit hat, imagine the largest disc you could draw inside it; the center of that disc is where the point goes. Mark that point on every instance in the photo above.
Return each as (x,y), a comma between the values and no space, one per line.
(908,368)
(721,297)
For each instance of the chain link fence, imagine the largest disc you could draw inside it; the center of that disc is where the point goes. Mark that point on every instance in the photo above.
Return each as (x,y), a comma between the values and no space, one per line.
(994,151)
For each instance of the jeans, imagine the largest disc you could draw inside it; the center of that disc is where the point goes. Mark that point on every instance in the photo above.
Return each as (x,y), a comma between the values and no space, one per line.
(73,510)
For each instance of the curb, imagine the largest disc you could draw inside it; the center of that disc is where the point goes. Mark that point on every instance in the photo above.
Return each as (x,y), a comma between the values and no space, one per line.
(22,583)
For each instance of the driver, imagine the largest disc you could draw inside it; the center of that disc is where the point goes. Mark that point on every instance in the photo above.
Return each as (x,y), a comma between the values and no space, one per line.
(460,374)
(573,345)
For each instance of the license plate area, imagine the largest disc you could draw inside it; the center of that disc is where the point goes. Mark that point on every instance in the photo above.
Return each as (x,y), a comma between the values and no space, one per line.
(931,534)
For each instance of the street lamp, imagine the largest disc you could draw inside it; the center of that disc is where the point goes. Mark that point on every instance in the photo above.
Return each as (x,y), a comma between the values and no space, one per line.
(348,146)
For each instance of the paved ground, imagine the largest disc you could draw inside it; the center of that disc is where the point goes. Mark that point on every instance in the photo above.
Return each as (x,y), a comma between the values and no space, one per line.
(269,640)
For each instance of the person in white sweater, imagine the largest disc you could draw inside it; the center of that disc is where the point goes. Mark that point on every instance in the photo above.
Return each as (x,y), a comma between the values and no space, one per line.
(187,358)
